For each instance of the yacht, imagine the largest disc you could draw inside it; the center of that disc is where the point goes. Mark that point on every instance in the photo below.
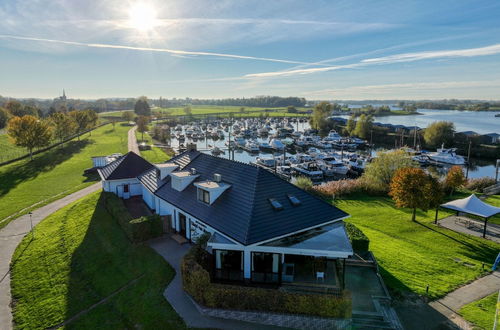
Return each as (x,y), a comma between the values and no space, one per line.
(266,161)
(446,156)
(264,146)
(251,146)
(277,145)
(310,170)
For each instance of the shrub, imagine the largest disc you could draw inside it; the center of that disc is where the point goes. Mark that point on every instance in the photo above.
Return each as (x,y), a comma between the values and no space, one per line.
(479,184)
(304,183)
(359,241)
(339,188)
(114,205)
(145,228)
(196,282)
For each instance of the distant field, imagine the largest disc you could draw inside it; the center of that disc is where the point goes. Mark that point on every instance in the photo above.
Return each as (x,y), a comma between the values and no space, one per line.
(112,114)
(210,109)
(57,171)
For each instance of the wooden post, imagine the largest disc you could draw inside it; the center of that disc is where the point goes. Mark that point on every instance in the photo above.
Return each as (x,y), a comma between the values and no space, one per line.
(468,161)
(436,218)
(484,230)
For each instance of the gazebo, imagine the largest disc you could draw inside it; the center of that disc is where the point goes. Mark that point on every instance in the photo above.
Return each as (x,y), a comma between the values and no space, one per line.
(472,205)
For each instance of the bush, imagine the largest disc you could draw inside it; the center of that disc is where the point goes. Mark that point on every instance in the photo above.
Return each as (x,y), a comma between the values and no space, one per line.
(196,282)
(304,183)
(479,184)
(146,228)
(339,188)
(114,205)
(359,241)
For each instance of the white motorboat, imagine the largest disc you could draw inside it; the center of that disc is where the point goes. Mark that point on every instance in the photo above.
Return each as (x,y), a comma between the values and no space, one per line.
(310,170)
(446,156)
(277,145)
(266,161)
(251,146)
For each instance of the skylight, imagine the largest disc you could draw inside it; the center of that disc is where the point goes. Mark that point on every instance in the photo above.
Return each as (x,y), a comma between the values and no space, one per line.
(275,204)
(294,200)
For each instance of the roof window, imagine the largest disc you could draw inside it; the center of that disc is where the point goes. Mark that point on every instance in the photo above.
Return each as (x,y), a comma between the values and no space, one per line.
(275,204)
(294,200)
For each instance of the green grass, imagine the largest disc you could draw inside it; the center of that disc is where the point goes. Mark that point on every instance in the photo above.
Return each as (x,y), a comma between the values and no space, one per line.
(57,172)
(495,201)
(481,312)
(211,109)
(413,255)
(155,155)
(8,150)
(80,256)
(117,114)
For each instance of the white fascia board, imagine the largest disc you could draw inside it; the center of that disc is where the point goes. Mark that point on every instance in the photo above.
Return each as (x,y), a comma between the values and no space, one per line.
(304,252)
(300,231)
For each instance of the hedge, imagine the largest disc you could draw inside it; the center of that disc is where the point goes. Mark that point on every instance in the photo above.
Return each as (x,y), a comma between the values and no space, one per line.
(196,282)
(359,241)
(137,230)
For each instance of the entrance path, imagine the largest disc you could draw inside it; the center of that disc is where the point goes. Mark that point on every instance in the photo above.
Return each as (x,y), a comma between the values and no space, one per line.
(12,234)
(132,141)
(450,304)
(172,252)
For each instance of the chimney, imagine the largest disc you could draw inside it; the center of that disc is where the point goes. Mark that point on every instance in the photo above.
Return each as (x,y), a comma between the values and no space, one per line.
(217,178)
(193,171)
(191,147)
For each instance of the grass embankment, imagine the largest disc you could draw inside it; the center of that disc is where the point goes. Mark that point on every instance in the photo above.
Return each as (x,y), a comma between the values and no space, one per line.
(8,150)
(413,255)
(155,155)
(481,312)
(495,201)
(56,172)
(79,257)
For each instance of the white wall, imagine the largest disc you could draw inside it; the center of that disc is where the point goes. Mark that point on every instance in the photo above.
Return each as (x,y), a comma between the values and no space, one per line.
(116,186)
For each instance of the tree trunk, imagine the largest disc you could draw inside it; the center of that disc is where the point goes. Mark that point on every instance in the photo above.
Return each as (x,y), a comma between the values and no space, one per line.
(31,153)
(414,214)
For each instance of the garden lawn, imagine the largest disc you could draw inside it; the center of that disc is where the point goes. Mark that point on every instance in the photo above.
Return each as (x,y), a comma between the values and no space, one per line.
(57,172)
(155,155)
(80,256)
(8,150)
(413,255)
(495,201)
(481,312)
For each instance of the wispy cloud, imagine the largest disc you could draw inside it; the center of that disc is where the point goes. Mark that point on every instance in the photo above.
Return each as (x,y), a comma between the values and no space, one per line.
(150,49)
(398,58)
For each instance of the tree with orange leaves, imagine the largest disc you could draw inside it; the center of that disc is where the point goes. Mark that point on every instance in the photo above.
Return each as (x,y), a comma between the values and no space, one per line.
(413,188)
(454,179)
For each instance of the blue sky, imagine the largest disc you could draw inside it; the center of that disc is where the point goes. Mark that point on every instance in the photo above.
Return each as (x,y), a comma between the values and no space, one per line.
(215,49)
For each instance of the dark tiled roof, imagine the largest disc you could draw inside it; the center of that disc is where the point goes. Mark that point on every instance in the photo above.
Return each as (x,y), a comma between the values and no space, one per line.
(243,212)
(129,166)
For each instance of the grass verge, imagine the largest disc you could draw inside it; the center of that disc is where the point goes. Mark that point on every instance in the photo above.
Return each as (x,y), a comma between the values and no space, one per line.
(481,312)
(155,155)
(79,257)
(414,255)
(57,172)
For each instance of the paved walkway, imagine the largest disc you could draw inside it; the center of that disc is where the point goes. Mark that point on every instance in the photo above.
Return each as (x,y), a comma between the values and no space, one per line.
(132,141)
(450,304)
(12,234)
(472,227)
(172,252)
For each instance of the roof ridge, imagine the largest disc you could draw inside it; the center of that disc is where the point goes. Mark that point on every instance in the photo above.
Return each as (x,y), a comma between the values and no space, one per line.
(254,192)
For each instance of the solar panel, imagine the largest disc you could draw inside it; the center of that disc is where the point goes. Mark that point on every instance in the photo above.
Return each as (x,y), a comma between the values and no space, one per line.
(275,204)
(294,200)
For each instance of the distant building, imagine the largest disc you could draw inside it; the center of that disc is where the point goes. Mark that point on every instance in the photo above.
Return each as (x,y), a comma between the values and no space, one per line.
(491,138)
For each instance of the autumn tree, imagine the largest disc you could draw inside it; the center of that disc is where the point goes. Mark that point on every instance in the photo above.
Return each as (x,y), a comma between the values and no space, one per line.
(29,132)
(4,117)
(413,188)
(142,125)
(141,107)
(128,116)
(454,179)
(82,121)
(18,109)
(63,125)
(92,119)
(379,172)
(438,133)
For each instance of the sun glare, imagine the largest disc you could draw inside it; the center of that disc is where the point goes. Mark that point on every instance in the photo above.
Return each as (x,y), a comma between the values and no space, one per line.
(142,16)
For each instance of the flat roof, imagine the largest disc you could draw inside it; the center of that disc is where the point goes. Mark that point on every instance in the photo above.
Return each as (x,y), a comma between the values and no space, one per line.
(211,184)
(166,165)
(182,174)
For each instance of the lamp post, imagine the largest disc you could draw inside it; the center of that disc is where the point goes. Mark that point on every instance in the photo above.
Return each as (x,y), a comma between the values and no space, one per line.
(31,223)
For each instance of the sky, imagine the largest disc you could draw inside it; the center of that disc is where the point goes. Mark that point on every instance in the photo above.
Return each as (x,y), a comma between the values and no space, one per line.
(320,50)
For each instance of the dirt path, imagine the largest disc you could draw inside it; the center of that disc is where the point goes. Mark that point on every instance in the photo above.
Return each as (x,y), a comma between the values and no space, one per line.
(132,141)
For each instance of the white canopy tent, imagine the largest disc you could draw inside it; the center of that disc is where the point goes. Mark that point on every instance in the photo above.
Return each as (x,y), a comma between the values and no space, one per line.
(475,206)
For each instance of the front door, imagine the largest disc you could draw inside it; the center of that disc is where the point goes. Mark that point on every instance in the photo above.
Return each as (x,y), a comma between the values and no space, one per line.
(182,224)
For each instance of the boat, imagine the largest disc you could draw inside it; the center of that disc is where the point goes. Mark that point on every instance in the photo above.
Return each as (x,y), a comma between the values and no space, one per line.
(310,170)
(334,166)
(277,145)
(264,146)
(251,146)
(215,151)
(266,162)
(446,156)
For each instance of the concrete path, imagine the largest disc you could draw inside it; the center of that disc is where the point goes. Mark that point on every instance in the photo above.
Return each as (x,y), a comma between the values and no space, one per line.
(450,304)
(12,234)
(132,141)
(172,252)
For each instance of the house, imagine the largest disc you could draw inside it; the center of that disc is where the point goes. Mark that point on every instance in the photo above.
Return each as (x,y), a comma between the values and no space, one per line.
(491,138)
(263,229)
(468,134)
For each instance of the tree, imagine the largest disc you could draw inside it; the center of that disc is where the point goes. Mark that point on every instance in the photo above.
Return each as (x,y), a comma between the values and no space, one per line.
(319,118)
(242,109)
(363,126)
(291,109)
(142,125)
(4,117)
(454,179)
(29,132)
(438,133)
(18,109)
(187,110)
(413,188)
(379,172)
(82,121)
(128,116)
(92,119)
(64,125)
(304,183)
(351,124)
(141,107)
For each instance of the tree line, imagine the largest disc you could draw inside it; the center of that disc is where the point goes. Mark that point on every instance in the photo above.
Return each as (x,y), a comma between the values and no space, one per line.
(259,101)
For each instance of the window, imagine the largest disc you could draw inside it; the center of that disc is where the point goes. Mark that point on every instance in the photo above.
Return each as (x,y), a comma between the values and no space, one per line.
(275,204)
(125,188)
(294,200)
(203,196)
